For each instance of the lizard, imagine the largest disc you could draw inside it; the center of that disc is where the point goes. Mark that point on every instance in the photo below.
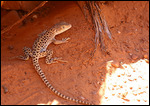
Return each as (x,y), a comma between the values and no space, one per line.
(39,50)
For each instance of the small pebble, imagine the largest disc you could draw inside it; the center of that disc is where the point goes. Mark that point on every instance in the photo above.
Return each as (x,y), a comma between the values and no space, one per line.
(98,83)
(94,93)
(128,51)
(34,16)
(121,86)
(115,64)
(146,60)
(130,54)
(118,76)
(71,67)
(113,94)
(82,97)
(138,100)
(119,32)
(135,29)
(134,57)
(145,50)
(125,81)
(131,88)
(115,85)
(10,47)
(5,89)
(126,99)
(145,56)
(106,97)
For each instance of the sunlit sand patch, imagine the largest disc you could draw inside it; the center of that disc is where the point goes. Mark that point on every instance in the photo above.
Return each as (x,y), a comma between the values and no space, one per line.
(127,85)
(54,102)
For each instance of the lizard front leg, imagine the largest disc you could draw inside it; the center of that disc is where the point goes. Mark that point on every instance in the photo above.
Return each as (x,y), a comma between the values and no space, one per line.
(64,40)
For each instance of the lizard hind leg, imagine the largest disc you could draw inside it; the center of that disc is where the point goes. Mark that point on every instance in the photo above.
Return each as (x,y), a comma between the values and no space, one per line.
(27,53)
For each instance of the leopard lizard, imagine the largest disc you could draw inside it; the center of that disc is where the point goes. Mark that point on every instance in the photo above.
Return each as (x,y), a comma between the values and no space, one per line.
(39,50)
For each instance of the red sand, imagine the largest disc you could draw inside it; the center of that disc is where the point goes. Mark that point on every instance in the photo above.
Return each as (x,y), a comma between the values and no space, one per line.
(80,78)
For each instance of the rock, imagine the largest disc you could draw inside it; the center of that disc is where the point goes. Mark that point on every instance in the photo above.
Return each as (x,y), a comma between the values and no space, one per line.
(20,5)
(10,18)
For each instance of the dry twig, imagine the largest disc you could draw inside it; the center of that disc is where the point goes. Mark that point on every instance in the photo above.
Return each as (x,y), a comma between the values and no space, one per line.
(99,23)
(8,28)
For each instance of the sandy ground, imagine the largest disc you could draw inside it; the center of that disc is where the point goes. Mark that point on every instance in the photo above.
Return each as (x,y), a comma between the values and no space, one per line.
(120,76)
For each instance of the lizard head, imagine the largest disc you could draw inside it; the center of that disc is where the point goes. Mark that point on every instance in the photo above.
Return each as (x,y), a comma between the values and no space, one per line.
(61,27)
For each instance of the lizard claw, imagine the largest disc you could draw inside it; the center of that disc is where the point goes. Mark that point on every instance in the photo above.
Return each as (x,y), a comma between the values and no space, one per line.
(65,39)
(59,59)
(20,57)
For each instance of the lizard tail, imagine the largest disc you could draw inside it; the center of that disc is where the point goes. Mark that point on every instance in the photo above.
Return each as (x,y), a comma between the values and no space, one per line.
(42,75)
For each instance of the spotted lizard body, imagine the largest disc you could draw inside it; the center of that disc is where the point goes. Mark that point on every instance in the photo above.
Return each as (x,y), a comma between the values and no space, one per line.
(39,51)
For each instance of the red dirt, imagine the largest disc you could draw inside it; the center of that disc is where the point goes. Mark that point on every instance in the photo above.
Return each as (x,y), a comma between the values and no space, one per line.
(81,78)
